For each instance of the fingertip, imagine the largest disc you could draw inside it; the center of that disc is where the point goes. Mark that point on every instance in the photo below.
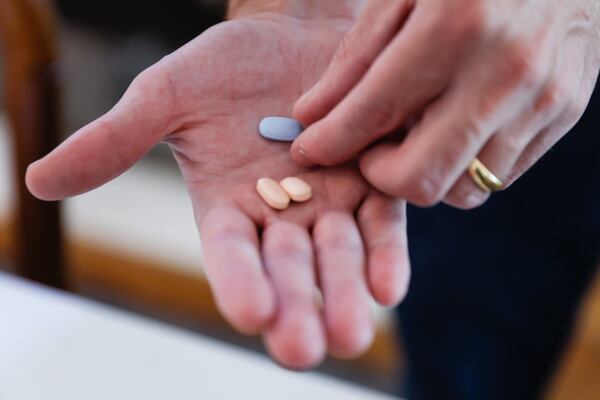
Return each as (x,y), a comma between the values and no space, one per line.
(354,343)
(315,147)
(234,269)
(306,109)
(250,314)
(297,343)
(351,333)
(391,295)
(37,183)
(31,181)
(300,111)
(299,153)
(383,225)
(389,277)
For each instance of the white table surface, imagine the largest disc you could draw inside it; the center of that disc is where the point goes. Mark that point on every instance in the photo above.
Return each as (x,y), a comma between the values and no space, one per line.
(58,346)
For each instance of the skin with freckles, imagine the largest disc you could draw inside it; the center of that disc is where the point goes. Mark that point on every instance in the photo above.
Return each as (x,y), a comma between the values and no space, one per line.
(205,102)
(500,80)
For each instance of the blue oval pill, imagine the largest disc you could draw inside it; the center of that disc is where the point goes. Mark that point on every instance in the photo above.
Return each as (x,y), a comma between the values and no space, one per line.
(280,129)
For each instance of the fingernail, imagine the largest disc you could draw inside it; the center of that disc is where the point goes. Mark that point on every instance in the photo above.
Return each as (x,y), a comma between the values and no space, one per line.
(302,151)
(302,156)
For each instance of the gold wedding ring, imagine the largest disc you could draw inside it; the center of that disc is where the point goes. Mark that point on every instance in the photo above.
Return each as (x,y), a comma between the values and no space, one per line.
(484,178)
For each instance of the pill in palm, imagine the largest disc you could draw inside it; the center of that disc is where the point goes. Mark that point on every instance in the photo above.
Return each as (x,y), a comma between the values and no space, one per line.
(297,189)
(280,129)
(272,193)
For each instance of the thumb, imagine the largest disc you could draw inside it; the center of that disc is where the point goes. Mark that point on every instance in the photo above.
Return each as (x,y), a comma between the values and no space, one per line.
(109,146)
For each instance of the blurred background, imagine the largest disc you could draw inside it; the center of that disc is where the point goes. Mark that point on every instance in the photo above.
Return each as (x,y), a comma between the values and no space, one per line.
(112,244)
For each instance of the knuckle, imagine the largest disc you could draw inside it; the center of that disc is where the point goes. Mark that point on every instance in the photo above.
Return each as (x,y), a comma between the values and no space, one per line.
(457,21)
(374,117)
(386,211)
(470,135)
(154,83)
(553,98)
(286,239)
(487,104)
(120,155)
(226,232)
(146,78)
(334,232)
(428,184)
(471,23)
(424,192)
(513,143)
(349,52)
(525,64)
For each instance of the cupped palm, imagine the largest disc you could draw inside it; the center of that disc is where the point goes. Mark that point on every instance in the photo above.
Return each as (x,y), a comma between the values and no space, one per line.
(205,101)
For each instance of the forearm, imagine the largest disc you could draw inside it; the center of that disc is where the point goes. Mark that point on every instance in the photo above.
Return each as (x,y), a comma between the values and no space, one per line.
(297,8)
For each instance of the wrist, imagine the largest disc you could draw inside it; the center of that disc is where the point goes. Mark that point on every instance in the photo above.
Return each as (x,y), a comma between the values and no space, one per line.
(296,8)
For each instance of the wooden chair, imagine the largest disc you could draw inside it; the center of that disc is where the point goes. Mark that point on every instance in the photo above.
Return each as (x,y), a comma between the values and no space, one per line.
(28,46)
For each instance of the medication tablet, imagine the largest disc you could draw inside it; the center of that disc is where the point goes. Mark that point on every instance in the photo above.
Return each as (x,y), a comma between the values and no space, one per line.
(297,189)
(272,194)
(280,129)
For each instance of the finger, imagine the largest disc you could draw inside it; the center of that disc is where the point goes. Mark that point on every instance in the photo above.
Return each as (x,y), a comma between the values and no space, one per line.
(455,128)
(108,146)
(383,225)
(341,263)
(503,149)
(546,140)
(553,106)
(582,85)
(377,25)
(296,339)
(234,269)
(406,76)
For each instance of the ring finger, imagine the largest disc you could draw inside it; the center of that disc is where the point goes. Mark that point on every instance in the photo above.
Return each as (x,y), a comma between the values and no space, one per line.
(503,149)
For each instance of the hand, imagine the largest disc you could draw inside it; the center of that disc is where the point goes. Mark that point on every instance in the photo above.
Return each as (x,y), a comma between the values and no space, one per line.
(501,80)
(205,101)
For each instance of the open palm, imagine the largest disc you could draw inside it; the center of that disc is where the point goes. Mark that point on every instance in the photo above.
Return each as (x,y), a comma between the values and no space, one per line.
(205,101)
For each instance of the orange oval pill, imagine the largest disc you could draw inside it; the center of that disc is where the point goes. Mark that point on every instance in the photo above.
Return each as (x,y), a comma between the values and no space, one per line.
(297,189)
(272,194)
